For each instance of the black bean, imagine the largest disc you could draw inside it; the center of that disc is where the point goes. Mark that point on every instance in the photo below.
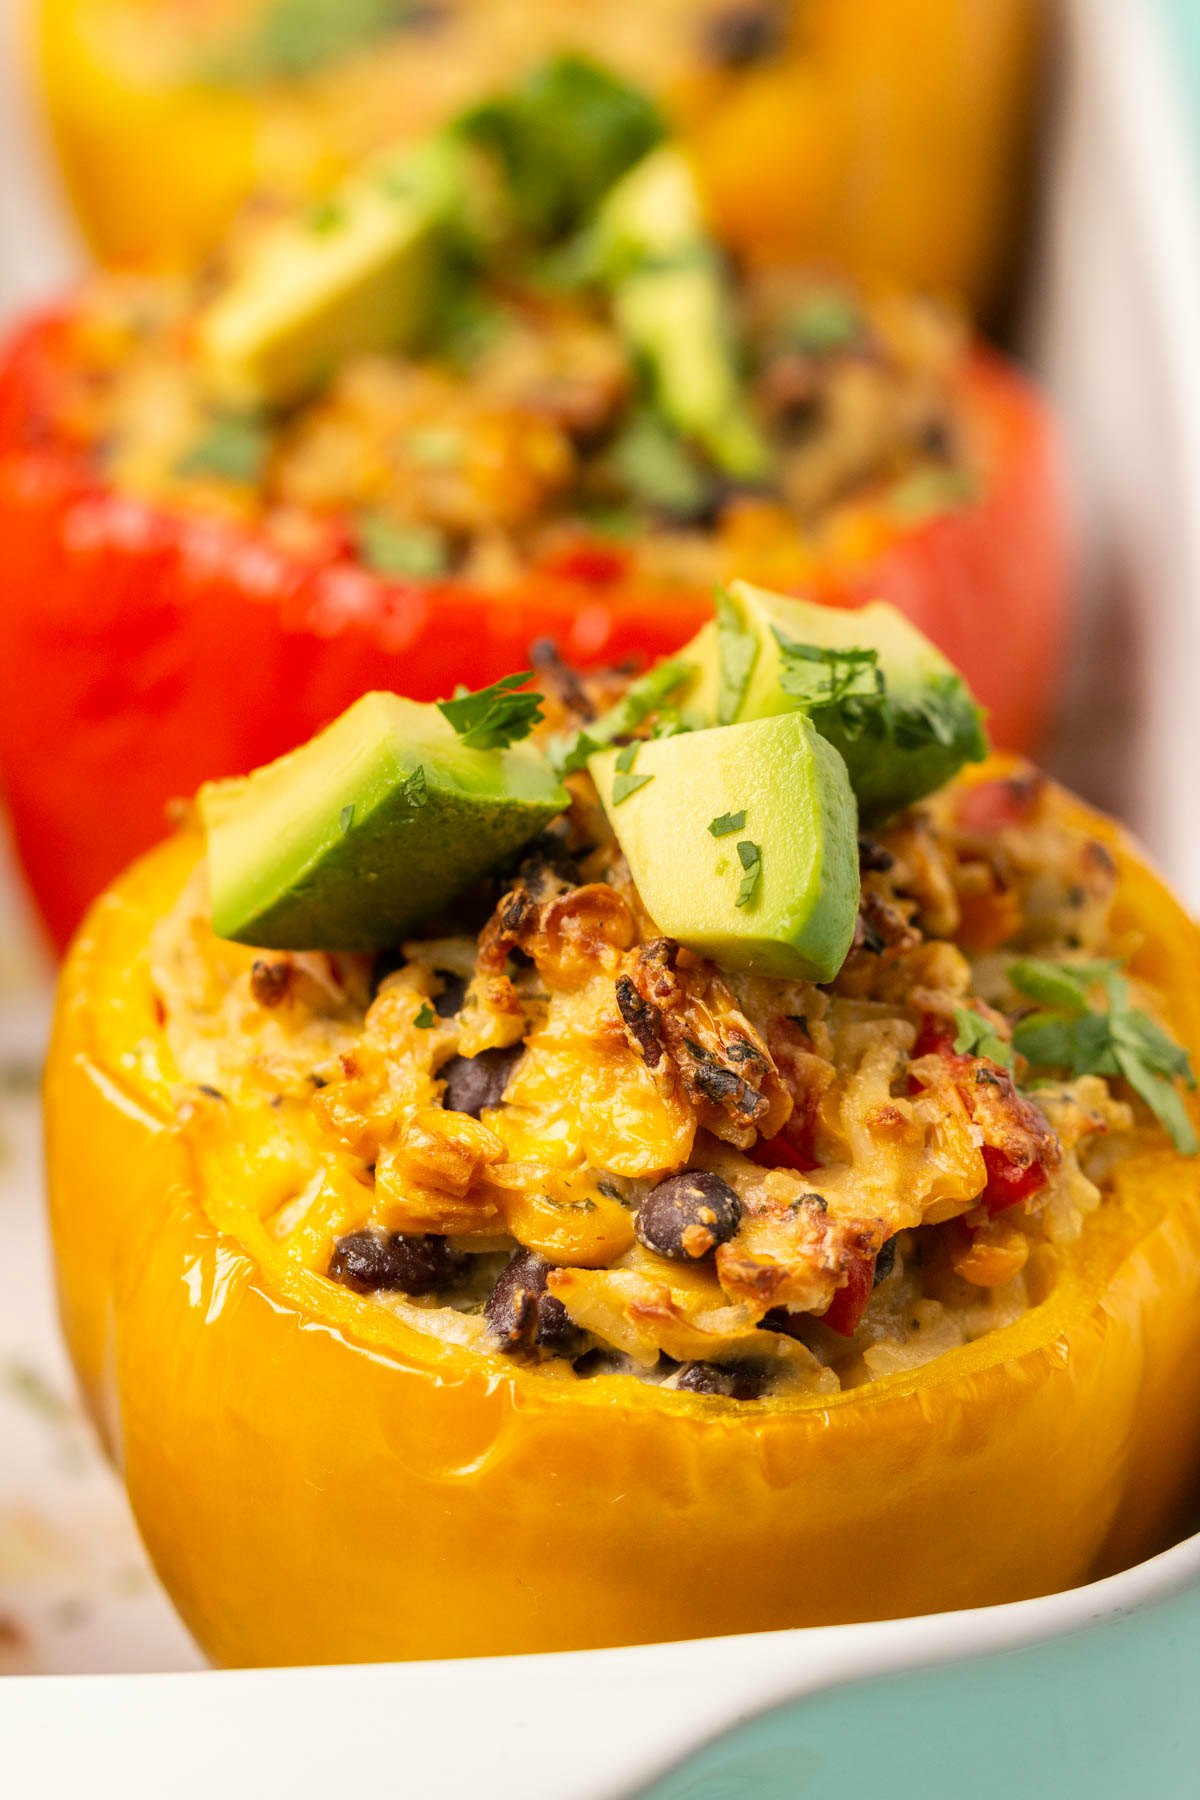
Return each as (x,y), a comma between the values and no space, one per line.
(742,34)
(473,1082)
(885,1262)
(737,1381)
(873,856)
(368,1261)
(522,1314)
(688,1215)
(449,1001)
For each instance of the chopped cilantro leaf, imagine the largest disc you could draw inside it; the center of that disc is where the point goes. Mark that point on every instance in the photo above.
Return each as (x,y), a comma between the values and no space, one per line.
(392,549)
(1058,984)
(292,38)
(658,469)
(929,491)
(727,823)
(345,819)
(1076,1038)
(562,137)
(737,653)
(426,1017)
(325,216)
(642,697)
(977,1036)
(824,321)
(234,447)
(496,716)
(823,676)
(750,857)
(414,789)
(850,683)
(625,783)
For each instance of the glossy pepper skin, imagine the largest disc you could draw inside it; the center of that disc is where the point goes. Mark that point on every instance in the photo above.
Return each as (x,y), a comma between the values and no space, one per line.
(882,136)
(317,1483)
(142,652)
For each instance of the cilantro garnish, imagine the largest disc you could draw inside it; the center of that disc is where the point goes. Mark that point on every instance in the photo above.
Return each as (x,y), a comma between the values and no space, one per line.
(642,697)
(414,789)
(824,321)
(750,857)
(850,683)
(393,549)
(345,819)
(561,138)
(977,1036)
(292,38)
(426,1017)
(325,216)
(625,782)
(496,716)
(658,469)
(727,823)
(823,676)
(737,653)
(929,491)
(1074,1036)
(234,447)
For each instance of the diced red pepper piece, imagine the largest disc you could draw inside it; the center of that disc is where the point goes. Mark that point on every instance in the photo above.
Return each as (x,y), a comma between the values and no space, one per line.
(786,1150)
(1009,1182)
(848,1305)
(991,806)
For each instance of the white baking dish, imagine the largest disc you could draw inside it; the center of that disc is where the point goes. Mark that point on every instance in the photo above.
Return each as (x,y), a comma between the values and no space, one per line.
(1111,321)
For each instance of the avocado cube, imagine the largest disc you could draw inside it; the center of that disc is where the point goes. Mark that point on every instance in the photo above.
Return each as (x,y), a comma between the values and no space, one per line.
(898,711)
(742,841)
(363,270)
(367,831)
(672,305)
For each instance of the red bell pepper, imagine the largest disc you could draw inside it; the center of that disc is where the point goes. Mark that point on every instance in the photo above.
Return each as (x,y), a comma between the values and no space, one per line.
(142,650)
(846,1309)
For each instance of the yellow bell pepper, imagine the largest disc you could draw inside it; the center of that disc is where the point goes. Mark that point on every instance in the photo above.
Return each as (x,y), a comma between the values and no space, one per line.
(317,1482)
(887,136)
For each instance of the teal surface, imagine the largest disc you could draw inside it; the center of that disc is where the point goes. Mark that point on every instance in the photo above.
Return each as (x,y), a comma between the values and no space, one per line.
(1107,1713)
(1183,21)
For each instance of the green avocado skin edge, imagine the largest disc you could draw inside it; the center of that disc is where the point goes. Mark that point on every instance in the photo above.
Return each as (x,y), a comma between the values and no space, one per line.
(368,891)
(368,831)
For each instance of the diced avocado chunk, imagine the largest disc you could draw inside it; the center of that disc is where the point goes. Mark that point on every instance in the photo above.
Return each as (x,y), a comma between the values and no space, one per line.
(874,686)
(742,841)
(368,830)
(364,269)
(673,307)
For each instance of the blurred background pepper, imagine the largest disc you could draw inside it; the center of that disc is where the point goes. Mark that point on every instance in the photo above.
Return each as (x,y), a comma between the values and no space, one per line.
(884,137)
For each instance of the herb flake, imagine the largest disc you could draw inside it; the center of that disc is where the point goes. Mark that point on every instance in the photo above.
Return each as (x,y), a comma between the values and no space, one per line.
(1075,1037)
(727,823)
(750,857)
(625,782)
(642,697)
(977,1036)
(392,549)
(495,716)
(426,1017)
(346,819)
(234,448)
(737,653)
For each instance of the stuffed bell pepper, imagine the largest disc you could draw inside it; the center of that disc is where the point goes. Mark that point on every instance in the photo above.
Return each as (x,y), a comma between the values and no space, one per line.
(634,1161)
(500,388)
(888,136)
